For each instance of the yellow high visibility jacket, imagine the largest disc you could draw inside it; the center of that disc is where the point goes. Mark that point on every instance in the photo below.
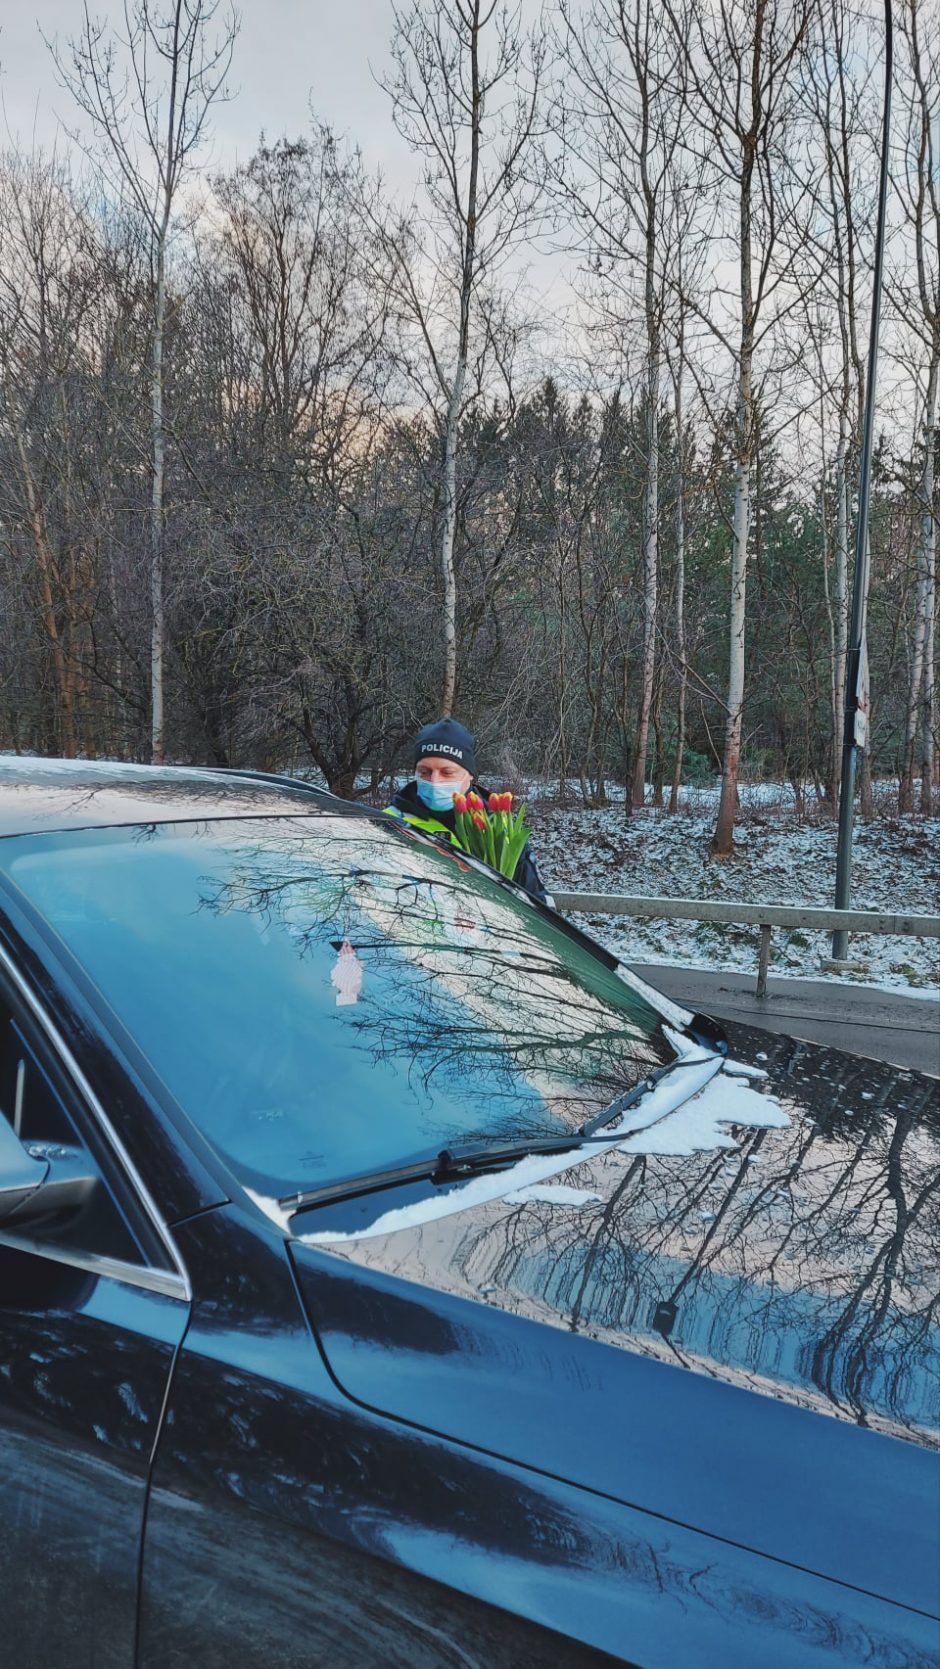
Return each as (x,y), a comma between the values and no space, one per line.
(430,824)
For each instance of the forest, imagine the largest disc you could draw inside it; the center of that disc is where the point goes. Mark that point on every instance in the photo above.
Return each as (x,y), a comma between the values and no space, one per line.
(565,443)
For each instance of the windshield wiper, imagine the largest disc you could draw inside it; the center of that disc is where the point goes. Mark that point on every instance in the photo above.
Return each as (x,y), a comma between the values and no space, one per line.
(623,1102)
(442,1167)
(439,1168)
(454,1165)
(475,1158)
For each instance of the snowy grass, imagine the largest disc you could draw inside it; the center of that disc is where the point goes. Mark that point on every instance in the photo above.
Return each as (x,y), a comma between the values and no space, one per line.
(778,859)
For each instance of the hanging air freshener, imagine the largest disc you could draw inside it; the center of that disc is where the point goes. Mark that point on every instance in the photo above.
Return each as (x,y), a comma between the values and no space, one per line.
(346,977)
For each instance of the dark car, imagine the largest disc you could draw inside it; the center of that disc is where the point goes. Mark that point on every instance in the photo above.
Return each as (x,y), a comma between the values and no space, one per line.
(388,1278)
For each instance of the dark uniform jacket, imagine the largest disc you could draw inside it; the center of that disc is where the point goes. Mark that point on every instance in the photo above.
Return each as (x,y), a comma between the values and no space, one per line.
(409,805)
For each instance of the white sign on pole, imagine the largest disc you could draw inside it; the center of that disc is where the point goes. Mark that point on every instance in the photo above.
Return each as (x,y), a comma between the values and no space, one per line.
(862,698)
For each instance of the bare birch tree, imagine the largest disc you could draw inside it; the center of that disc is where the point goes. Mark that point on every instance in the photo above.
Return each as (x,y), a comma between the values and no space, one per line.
(619,119)
(918,186)
(147,94)
(842,201)
(677,359)
(465,95)
(740,61)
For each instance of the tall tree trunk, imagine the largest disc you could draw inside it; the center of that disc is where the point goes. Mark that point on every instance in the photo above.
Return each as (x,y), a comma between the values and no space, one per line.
(158,437)
(840,605)
(926,566)
(564,750)
(625,736)
(837,133)
(928,700)
(650,543)
(680,622)
(452,429)
(731,758)
(448,571)
(659,758)
(679,407)
(650,594)
(914,693)
(722,839)
(146,93)
(922,206)
(929,554)
(928,703)
(830,619)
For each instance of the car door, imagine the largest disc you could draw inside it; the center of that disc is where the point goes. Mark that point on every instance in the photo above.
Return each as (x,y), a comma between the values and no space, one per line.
(93,1305)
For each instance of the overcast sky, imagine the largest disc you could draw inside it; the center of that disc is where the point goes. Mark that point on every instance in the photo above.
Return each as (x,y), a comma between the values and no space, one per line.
(290,56)
(289,53)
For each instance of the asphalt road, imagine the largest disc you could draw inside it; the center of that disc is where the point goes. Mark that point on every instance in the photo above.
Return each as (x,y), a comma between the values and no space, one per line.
(884,1025)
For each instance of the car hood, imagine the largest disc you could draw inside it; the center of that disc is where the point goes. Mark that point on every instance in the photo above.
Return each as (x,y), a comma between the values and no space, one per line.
(613,1326)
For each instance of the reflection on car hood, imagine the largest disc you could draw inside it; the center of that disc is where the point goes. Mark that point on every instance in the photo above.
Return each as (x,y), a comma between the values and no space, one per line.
(800,1265)
(801,1262)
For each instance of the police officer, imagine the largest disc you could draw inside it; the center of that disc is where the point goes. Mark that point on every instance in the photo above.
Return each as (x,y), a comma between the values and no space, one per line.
(445,765)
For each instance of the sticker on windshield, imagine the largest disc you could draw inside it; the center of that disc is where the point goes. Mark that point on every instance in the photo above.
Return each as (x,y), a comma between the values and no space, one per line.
(346,977)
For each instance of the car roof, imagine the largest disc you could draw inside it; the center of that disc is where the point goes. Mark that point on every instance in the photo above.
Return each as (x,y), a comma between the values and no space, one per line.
(42,795)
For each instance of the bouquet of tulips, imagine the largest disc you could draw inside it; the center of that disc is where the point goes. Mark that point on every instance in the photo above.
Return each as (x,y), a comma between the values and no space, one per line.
(491,831)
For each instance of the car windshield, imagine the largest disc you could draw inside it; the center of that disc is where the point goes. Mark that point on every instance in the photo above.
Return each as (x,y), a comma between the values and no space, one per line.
(323,995)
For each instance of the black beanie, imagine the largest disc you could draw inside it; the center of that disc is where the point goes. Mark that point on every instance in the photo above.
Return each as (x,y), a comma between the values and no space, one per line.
(446,739)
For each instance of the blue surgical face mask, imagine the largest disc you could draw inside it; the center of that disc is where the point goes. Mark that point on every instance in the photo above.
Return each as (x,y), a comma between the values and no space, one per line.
(437,796)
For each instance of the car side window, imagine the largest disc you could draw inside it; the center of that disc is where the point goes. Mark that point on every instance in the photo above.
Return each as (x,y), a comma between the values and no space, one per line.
(36,1103)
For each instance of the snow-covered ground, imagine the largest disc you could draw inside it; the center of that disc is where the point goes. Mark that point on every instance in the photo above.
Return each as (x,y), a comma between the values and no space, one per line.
(778,859)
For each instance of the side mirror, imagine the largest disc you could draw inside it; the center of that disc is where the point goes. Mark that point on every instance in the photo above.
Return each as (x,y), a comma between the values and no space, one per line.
(43,1181)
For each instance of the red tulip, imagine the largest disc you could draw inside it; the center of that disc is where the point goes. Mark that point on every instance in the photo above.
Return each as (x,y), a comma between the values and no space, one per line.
(495,802)
(478,820)
(460,802)
(474,802)
(506,802)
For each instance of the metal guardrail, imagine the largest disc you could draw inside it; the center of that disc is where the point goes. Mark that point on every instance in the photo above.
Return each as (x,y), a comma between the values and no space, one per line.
(765,916)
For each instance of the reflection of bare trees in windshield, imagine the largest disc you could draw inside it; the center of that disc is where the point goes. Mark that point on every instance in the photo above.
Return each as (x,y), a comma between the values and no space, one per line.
(803,1261)
(453,981)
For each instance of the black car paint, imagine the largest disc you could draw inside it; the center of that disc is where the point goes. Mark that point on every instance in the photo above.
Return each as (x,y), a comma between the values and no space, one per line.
(265,1466)
(86,1364)
(289,1524)
(285,1503)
